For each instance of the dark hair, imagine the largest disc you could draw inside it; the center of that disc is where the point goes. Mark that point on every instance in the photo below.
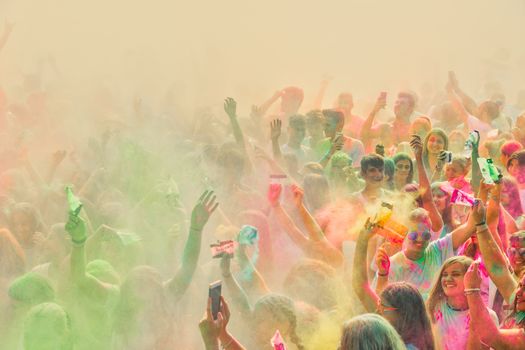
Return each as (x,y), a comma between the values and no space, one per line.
(447,216)
(412,323)
(404,156)
(492,109)
(372,160)
(370,332)
(519,156)
(297,120)
(390,168)
(409,95)
(316,191)
(335,114)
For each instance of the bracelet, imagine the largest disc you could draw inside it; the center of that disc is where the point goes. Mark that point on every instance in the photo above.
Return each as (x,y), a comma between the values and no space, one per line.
(481,228)
(481,223)
(79,243)
(195,229)
(382,274)
(471,291)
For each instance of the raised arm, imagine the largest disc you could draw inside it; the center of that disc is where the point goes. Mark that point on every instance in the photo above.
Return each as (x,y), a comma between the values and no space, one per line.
(467,101)
(199,217)
(424,186)
(312,227)
(88,284)
(480,321)
(475,180)
(263,109)
(336,145)
(318,102)
(495,262)
(238,294)
(466,230)
(275,133)
(360,283)
(367,133)
(230,107)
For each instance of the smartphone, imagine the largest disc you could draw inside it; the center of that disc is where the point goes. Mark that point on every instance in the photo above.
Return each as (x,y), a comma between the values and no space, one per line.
(214,293)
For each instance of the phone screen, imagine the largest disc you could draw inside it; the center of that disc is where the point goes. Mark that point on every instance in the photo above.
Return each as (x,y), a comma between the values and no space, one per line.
(215,295)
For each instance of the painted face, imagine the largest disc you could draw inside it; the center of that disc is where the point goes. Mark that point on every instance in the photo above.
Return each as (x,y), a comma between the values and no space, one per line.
(440,200)
(22,227)
(452,280)
(516,252)
(435,144)
(403,168)
(418,237)
(453,171)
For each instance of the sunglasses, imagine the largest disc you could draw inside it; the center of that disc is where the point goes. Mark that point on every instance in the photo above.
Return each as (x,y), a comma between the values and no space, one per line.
(516,251)
(402,167)
(425,235)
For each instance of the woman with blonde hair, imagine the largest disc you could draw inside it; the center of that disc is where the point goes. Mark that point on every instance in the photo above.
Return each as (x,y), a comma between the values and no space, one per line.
(449,309)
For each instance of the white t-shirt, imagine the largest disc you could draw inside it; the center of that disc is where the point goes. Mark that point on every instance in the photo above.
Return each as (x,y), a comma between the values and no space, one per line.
(422,272)
(452,327)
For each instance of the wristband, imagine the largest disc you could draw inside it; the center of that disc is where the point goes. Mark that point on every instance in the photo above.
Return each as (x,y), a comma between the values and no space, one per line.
(382,274)
(80,242)
(481,223)
(471,291)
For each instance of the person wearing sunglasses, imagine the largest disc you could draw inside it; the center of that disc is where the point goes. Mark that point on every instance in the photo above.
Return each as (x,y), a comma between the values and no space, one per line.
(399,303)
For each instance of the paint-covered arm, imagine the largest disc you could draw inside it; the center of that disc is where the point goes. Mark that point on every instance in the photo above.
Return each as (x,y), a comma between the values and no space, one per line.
(238,294)
(481,323)
(494,212)
(90,285)
(199,217)
(424,186)
(360,283)
(336,145)
(263,108)
(230,107)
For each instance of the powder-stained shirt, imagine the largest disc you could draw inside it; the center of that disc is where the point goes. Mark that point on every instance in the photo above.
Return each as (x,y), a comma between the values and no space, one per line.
(452,327)
(422,272)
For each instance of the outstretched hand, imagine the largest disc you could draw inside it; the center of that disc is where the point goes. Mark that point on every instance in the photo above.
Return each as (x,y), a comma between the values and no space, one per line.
(472,278)
(210,328)
(274,193)
(202,211)
(298,195)
(478,213)
(417,146)
(76,227)
(275,129)
(230,107)
(382,261)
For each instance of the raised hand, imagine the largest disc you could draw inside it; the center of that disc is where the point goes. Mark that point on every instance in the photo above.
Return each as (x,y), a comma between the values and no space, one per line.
(202,211)
(225,312)
(274,193)
(298,195)
(382,261)
(76,227)
(275,129)
(230,107)
(337,143)
(256,112)
(417,146)
(380,103)
(472,278)
(211,329)
(478,213)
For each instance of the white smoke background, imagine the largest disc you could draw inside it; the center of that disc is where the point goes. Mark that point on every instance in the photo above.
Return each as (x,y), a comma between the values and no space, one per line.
(97,58)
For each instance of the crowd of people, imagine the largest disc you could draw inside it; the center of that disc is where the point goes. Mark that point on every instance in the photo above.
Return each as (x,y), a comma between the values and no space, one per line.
(327,230)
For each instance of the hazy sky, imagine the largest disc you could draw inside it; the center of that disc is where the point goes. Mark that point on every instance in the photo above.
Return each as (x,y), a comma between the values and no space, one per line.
(249,49)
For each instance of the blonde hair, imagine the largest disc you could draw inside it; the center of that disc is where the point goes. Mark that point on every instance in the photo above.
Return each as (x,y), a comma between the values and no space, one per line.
(437,294)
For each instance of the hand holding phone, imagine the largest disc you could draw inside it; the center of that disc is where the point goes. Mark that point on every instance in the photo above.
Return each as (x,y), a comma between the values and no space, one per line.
(214,293)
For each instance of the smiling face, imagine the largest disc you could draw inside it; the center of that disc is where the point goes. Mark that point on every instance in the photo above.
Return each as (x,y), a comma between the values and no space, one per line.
(440,199)
(520,296)
(403,168)
(453,171)
(452,280)
(374,176)
(418,238)
(435,144)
